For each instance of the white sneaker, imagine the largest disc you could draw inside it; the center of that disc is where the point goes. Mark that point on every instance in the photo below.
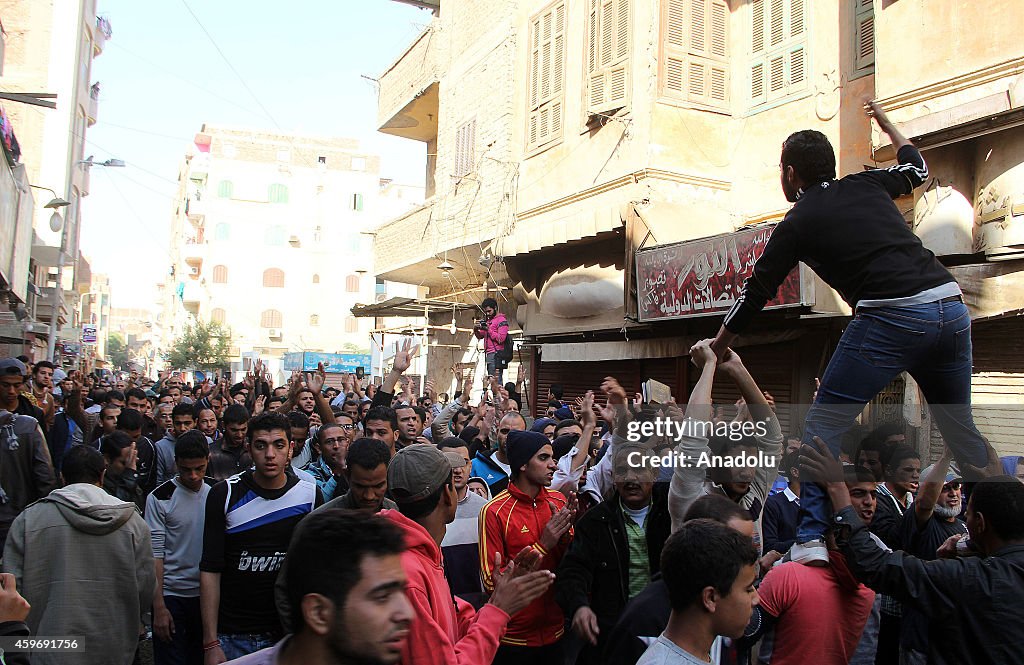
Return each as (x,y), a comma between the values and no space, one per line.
(811,553)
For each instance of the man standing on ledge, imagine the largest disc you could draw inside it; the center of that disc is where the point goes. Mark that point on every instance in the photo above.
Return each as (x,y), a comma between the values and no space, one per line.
(909,310)
(493,329)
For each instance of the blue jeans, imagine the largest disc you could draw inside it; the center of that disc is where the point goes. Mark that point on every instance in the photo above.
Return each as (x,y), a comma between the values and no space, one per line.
(933,343)
(236,646)
(494,366)
(186,645)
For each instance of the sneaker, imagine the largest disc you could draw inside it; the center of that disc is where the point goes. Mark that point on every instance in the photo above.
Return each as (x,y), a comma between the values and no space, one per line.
(811,553)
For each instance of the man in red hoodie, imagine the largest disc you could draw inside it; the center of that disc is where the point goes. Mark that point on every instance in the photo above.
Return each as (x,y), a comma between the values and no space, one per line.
(447,630)
(529,515)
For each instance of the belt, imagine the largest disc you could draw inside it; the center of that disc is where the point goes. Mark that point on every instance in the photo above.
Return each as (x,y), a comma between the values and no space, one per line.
(956,298)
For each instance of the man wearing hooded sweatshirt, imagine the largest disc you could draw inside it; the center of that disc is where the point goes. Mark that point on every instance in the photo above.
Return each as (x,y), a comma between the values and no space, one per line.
(72,544)
(446,629)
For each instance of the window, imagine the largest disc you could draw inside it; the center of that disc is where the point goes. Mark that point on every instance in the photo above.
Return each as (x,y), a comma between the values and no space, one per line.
(778,44)
(695,54)
(321,159)
(465,149)
(273,278)
(217,315)
(379,287)
(351,324)
(270,318)
(277,193)
(220,274)
(547,72)
(357,201)
(225,189)
(352,284)
(863,37)
(275,236)
(316,278)
(222,232)
(314,320)
(608,49)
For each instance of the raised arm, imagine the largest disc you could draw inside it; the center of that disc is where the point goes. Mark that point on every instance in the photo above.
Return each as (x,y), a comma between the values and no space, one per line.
(688,478)
(930,489)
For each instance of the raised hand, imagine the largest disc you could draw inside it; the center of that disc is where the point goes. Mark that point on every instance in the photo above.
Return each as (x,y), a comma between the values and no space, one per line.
(615,392)
(315,380)
(259,405)
(514,590)
(404,356)
(701,354)
(586,404)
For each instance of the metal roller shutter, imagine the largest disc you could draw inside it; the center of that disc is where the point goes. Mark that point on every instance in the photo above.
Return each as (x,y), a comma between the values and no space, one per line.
(997,382)
(579,377)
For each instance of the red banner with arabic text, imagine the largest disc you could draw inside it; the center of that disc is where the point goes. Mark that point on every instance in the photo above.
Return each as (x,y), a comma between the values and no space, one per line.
(702,277)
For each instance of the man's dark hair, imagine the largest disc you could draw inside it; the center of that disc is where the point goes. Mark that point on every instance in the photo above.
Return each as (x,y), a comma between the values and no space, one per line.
(420,412)
(191,445)
(897,456)
(463,412)
(811,156)
(114,394)
(858,474)
(367,453)
(514,414)
(716,507)
(489,302)
(700,554)
(789,462)
(112,444)
(885,430)
(236,389)
(136,393)
(183,410)
(1000,499)
(298,419)
(83,464)
(319,539)
(851,440)
(722,444)
(351,402)
(452,442)
(166,392)
(417,509)
(324,429)
(129,420)
(270,420)
(568,422)
(42,364)
(235,414)
(557,390)
(199,407)
(384,414)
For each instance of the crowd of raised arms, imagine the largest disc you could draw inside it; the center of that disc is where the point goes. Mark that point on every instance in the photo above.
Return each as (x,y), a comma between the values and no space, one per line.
(370,524)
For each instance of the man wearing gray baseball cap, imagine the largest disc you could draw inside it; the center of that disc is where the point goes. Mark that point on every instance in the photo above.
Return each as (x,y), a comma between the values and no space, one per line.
(421,482)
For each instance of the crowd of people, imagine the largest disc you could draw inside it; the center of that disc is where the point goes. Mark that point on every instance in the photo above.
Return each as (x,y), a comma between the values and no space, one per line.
(273,524)
(304,523)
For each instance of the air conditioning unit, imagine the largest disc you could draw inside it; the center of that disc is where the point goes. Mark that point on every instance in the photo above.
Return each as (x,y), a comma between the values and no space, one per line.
(273,332)
(194,270)
(294,241)
(380,297)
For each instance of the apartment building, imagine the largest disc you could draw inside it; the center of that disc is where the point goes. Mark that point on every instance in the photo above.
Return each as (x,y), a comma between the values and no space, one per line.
(50,45)
(581,153)
(271,236)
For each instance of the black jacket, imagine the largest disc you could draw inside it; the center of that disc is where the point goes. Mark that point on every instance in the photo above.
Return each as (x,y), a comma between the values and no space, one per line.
(595,570)
(853,236)
(972,603)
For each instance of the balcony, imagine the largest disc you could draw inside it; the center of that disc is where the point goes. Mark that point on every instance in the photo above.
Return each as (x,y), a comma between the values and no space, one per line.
(408,101)
(100,35)
(94,99)
(411,247)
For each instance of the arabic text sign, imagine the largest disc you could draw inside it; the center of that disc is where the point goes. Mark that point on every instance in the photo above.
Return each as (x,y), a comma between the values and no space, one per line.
(701,277)
(88,334)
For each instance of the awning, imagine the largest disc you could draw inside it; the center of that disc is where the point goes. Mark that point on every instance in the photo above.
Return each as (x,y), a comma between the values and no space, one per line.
(640,349)
(408,307)
(539,231)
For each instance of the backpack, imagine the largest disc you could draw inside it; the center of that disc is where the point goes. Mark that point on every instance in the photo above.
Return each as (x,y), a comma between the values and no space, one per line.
(505,353)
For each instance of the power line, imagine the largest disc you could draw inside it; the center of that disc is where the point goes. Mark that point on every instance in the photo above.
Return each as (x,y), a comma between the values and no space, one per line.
(145,131)
(230,66)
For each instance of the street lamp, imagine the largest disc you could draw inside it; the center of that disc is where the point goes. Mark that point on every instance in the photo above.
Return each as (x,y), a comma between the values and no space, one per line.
(58,295)
(56,221)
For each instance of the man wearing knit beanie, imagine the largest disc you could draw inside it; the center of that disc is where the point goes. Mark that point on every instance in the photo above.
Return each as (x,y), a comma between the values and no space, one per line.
(529,515)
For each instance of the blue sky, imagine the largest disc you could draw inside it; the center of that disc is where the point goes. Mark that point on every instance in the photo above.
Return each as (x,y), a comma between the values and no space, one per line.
(162,77)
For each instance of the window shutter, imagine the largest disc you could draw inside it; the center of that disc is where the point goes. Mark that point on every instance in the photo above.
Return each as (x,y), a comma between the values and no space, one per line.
(608,80)
(864,37)
(547,74)
(778,66)
(695,51)
(465,145)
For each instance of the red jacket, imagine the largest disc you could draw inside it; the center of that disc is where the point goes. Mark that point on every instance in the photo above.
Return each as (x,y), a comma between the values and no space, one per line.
(508,523)
(495,334)
(446,629)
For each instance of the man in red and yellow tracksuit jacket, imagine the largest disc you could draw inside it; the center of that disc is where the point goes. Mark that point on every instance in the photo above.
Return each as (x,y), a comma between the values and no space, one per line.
(528,515)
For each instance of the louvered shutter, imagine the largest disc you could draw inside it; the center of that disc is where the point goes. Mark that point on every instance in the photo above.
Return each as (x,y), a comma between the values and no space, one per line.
(779,65)
(547,73)
(864,37)
(608,55)
(695,51)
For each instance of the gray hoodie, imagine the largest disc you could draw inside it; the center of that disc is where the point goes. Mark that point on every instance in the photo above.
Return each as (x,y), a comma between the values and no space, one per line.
(89,573)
